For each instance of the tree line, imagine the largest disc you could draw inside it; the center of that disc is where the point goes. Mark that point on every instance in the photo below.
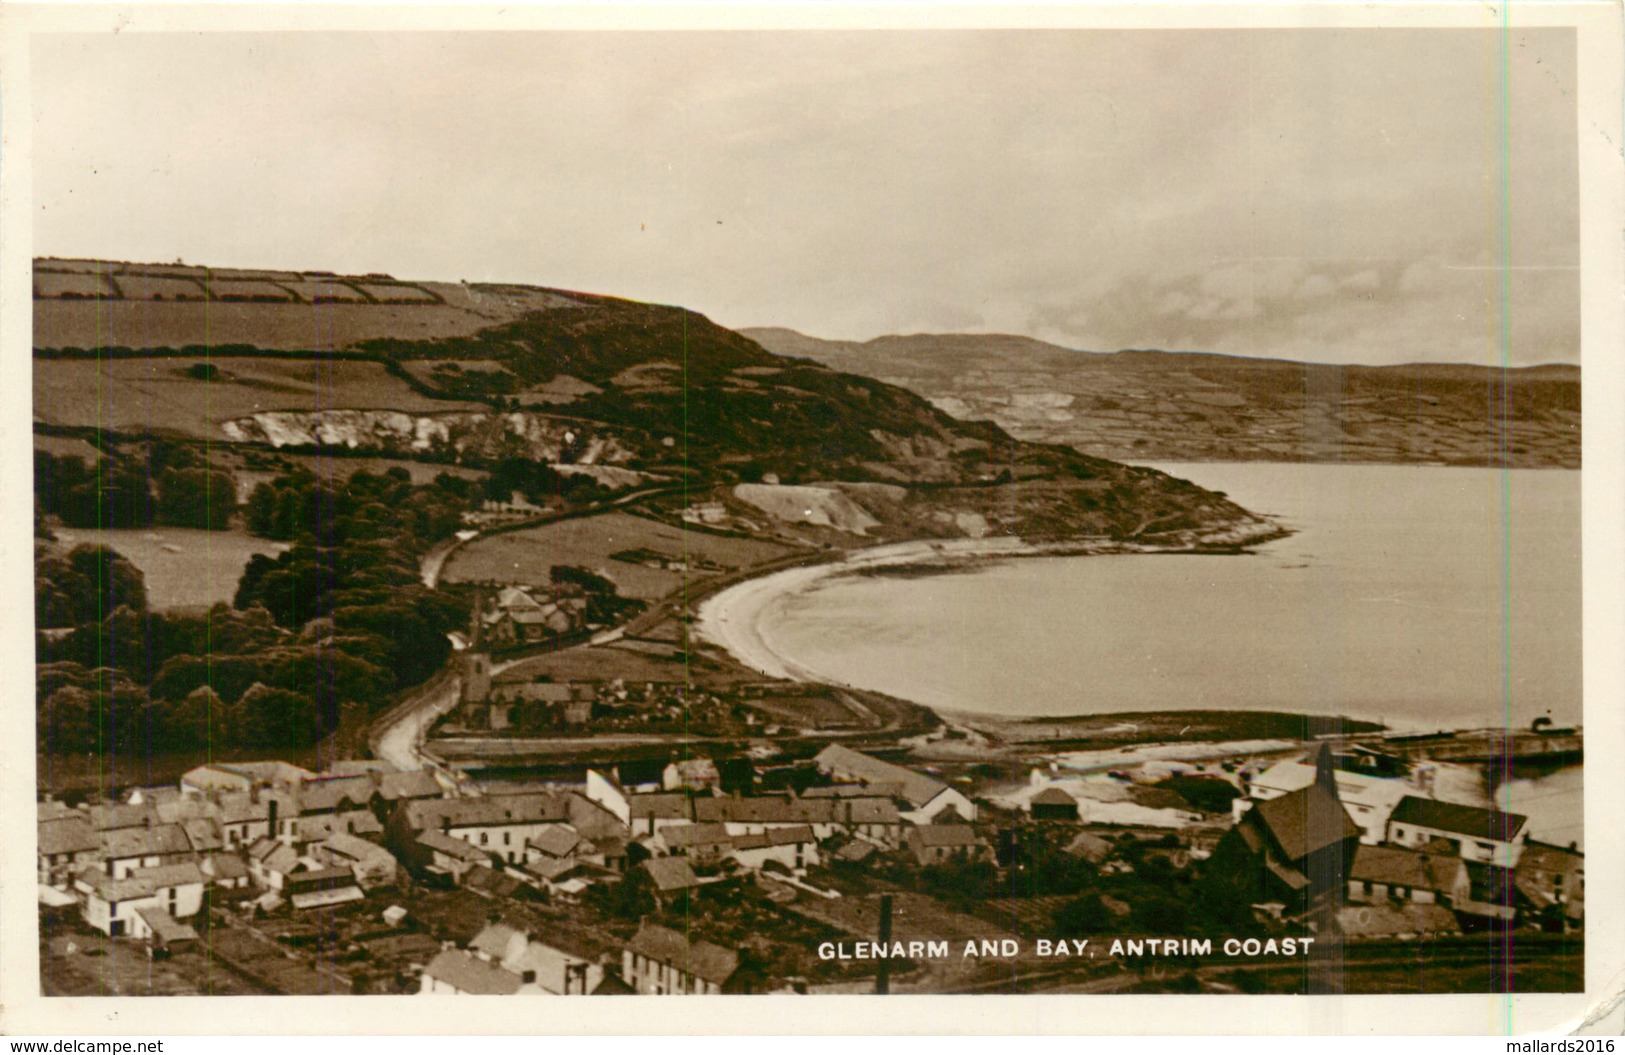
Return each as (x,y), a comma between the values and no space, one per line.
(333,626)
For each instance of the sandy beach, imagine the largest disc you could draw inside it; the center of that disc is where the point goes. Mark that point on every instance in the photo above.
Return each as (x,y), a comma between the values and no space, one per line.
(732,619)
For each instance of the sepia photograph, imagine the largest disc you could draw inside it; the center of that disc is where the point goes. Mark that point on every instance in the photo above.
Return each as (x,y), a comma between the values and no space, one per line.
(810,511)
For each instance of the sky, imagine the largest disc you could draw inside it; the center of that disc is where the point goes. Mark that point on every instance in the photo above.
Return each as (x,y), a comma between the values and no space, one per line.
(1326,195)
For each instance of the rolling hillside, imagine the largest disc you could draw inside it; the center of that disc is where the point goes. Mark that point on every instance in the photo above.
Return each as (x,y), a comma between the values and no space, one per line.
(471,374)
(1165,406)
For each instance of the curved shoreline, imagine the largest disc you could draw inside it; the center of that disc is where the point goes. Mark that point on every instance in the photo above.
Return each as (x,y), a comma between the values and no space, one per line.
(732,618)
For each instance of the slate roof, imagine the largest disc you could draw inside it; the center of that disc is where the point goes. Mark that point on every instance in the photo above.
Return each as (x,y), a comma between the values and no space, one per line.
(54,809)
(491,811)
(871,790)
(915,788)
(671,874)
(414,784)
(274,856)
(767,809)
(331,794)
(470,974)
(1057,797)
(685,835)
(67,835)
(1471,821)
(1306,820)
(452,846)
(202,835)
(166,928)
(664,806)
(946,835)
(775,837)
(326,825)
(358,849)
(557,842)
(493,940)
(109,816)
(143,882)
(1394,866)
(700,959)
(165,839)
(242,808)
(1090,847)
(227,866)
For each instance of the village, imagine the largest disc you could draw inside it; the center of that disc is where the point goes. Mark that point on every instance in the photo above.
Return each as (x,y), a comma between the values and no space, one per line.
(692,871)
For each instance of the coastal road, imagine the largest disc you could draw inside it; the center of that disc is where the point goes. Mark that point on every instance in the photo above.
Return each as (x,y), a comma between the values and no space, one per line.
(398,735)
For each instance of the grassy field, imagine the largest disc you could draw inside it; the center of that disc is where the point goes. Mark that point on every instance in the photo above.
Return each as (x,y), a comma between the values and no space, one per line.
(598,664)
(525,556)
(160,394)
(184,567)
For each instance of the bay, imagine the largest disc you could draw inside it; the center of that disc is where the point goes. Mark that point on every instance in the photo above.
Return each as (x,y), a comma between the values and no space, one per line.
(1424,597)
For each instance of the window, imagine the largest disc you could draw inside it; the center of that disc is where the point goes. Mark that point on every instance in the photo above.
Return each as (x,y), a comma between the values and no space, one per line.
(483,838)
(507,838)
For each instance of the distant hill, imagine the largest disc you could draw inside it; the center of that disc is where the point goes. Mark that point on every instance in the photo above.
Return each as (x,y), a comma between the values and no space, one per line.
(1186,406)
(472,374)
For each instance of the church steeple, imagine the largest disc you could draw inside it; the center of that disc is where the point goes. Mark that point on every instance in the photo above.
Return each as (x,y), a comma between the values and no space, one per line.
(1325,772)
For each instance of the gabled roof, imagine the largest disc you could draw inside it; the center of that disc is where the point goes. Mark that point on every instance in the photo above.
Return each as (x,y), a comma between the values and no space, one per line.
(767,809)
(491,811)
(325,825)
(857,850)
(514,597)
(494,940)
(867,811)
(685,835)
(414,784)
(273,856)
(869,790)
(558,841)
(179,811)
(775,837)
(143,882)
(1545,857)
(452,846)
(470,974)
(109,816)
(1471,821)
(1057,797)
(700,959)
(166,928)
(916,789)
(1090,847)
(227,866)
(1306,820)
(201,834)
(55,809)
(332,793)
(67,835)
(947,835)
(358,849)
(1394,866)
(243,808)
(661,805)
(671,874)
(142,842)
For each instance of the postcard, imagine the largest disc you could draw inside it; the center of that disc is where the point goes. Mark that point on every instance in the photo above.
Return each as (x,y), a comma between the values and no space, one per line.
(1081,518)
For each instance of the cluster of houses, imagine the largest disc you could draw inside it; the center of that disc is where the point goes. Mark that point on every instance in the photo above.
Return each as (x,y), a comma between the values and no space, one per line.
(139,868)
(1377,851)
(1369,852)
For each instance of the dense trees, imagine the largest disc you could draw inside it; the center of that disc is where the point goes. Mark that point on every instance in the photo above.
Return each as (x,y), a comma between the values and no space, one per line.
(336,624)
(117,491)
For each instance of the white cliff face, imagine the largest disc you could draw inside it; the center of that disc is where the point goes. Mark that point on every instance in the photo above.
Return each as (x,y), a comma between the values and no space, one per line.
(537,436)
